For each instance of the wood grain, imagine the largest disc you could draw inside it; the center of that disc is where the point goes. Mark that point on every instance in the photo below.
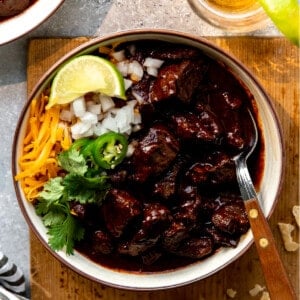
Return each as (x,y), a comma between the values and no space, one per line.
(275,62)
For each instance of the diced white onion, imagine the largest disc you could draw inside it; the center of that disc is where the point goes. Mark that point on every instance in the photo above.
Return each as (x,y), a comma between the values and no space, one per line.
(130,150)
(137,118)
(123,67)
(132,49)
(127,83)
(106,103)
(80,129)
(119,55)
(138,97)
(136,128)
(66,115)
(110,123)
(98,129)
(87,133)
(94,108)
(153,62)
(89,118)
(152,71)
(79,106)
(136,70)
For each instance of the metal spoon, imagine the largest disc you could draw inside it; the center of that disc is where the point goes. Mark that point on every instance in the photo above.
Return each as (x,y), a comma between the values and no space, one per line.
(277,280)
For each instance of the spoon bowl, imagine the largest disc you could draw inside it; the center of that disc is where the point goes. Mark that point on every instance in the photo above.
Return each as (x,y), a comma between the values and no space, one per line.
(275,275)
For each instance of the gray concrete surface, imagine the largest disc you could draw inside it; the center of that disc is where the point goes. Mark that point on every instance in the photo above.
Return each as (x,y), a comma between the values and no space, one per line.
(73,18)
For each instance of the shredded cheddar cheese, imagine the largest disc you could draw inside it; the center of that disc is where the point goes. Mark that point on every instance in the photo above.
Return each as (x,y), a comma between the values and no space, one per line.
(45,137)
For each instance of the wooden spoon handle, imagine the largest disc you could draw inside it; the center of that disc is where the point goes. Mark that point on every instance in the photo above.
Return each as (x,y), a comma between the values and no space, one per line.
(277,280)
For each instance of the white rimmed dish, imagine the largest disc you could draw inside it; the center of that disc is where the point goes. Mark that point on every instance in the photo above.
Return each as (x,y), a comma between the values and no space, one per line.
(268,190)
(16,26)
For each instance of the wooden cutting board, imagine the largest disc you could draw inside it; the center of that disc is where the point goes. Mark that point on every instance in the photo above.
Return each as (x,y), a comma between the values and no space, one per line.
(275,62)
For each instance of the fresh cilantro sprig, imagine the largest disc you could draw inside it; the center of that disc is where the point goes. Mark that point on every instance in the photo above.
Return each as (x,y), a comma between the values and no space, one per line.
(81,183)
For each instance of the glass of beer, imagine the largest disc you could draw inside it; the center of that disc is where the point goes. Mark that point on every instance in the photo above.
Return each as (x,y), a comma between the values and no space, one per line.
(232,15)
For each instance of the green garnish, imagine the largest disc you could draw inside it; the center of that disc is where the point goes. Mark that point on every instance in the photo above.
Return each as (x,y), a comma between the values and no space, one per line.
(83,183)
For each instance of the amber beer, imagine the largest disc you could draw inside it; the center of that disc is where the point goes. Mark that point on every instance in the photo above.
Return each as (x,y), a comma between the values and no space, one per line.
(233,5)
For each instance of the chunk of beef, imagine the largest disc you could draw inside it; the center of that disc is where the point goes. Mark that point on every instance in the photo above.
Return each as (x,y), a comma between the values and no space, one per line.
(166,187)
(227,107)
(203,127)
(196,247)
(156,218)
(216,168)
(88,214)
(188,211)
(119,209)
(101,242)
(154,154)
(141,89)
(222,238)
(173,236)
(223,100)
(213,202)
(179,80)
(151,256)
(138,245)
(231,218)
(79,210)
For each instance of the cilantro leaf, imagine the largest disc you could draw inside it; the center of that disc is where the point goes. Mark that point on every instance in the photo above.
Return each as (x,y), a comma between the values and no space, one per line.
(82,183)
(85,189)
(54,217)
(52,193)
(72,161)
(65,234)
(53,189)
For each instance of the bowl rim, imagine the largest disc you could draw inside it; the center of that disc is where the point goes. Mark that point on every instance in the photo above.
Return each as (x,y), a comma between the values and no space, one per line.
(86,46)
(20,24)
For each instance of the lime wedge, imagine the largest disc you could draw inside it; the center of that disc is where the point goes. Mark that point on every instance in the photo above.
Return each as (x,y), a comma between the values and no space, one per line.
(286,16)
(83,74)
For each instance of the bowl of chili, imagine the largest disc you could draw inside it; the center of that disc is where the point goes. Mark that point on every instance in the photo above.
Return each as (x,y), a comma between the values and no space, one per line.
(154,204)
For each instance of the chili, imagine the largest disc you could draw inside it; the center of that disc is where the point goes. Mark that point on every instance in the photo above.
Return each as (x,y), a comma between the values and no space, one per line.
(109,149)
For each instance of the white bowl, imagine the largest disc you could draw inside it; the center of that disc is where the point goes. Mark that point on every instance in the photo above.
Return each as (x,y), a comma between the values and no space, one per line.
(20,24)
(268,189)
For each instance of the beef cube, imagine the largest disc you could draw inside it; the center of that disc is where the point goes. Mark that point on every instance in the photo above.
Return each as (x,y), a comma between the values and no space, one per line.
(151,256)
(231,218)
(211,203)
(217,168)
(156,218)
(119,209)
(79,210)
(233,131)
(227,107)
(101,243)
(188,211)
(154,153)
(196,247)
(138,245)
(141,89)
(222,238)
(178,80)
(223,101)
(173,236)
(166,187)
(203,127)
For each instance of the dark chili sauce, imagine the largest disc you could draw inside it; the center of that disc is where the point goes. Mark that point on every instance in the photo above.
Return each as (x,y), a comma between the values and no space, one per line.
(217,80)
